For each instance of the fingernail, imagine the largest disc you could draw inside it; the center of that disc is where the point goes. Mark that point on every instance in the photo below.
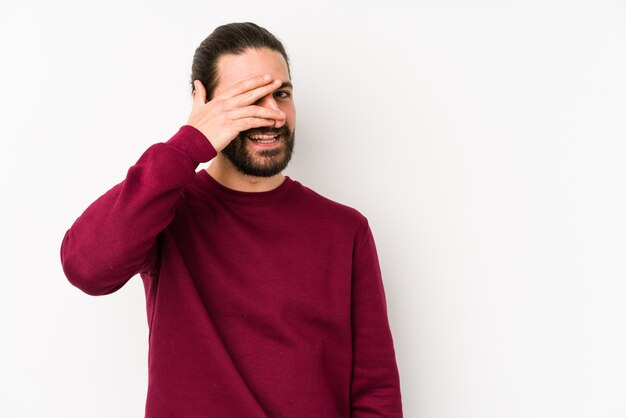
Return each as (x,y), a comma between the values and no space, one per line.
(266,77)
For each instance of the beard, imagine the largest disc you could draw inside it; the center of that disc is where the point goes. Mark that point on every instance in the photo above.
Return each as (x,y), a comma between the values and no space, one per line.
(262,162)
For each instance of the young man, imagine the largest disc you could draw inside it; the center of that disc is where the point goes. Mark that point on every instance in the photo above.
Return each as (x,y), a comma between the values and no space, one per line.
(264,298)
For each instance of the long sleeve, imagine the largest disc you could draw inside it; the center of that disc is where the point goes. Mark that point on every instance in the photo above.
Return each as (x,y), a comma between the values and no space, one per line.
(116,236)
(375,388)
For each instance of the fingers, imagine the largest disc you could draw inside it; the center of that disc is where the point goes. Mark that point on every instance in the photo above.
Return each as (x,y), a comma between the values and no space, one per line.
(257,112)
(245,124)
(199,95)
(248,91)
(252,96)
(255,117)
(245,85)
(243,93)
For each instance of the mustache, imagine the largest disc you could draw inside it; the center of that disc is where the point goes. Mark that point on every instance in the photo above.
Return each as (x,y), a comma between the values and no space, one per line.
(283,131)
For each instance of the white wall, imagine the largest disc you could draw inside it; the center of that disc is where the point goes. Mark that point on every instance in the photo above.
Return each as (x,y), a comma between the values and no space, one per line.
(484,140)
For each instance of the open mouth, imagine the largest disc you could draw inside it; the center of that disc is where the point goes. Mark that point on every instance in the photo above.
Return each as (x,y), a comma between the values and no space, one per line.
(264,139)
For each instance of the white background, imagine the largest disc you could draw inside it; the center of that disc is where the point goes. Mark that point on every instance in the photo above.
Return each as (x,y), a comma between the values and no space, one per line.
(484,140)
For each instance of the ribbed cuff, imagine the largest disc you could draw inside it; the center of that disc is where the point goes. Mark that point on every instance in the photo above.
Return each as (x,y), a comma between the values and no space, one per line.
(192,142)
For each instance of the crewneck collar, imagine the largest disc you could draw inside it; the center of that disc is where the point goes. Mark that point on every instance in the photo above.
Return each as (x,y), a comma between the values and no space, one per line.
(214,188)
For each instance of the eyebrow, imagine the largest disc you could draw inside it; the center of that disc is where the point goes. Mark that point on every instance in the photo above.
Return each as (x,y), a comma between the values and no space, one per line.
(286,84)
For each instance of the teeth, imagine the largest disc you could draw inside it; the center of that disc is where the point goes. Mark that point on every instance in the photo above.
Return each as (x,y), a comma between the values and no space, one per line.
(263,139)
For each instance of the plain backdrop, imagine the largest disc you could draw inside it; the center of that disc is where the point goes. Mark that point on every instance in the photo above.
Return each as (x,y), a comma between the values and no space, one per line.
(485,141)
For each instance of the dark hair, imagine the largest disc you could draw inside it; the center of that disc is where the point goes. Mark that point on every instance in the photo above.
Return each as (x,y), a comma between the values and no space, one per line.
(233,38)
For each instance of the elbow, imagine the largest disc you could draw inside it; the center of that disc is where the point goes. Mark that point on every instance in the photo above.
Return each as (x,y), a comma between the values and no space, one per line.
(83,275)
(89,282)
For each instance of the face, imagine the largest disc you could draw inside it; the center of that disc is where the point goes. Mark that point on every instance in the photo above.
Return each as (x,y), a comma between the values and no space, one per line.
(255,152)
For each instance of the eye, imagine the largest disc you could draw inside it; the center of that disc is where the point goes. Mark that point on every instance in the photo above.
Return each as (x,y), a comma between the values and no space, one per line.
(282,94)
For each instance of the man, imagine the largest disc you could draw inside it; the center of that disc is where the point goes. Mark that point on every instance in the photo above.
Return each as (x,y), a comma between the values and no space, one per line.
(264,298)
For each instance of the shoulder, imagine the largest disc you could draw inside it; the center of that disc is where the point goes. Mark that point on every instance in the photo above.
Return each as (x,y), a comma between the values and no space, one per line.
(330,210)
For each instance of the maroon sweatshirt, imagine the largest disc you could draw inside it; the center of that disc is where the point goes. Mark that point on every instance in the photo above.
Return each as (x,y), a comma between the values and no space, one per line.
(260,304)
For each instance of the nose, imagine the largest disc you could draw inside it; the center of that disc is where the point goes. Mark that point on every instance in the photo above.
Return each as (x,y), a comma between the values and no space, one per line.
(269,102)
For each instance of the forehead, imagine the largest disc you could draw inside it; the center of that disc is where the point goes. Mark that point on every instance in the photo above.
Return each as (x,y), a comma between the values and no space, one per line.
(253,62)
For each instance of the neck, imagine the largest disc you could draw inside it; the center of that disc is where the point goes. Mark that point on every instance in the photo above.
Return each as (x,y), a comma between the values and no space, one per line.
(223,171)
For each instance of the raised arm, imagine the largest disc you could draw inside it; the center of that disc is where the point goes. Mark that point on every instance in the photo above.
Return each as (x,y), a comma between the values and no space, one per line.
(116,236)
